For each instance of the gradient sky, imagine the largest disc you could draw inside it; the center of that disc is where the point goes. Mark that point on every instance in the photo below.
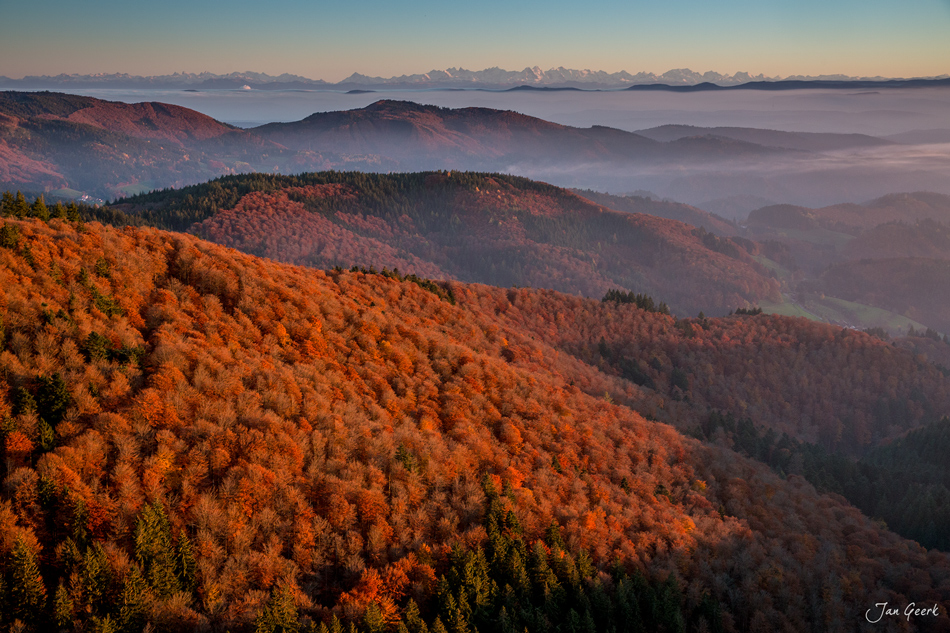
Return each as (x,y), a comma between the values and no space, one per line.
(330,40)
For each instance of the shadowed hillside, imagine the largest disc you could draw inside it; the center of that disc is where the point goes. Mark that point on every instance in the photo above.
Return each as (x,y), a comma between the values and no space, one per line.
(829,251)
(806,141)
(853,218)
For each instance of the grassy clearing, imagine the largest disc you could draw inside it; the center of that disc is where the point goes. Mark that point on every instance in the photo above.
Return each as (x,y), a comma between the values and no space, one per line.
(841,312)
(136,188)
(65,194)
(787,308)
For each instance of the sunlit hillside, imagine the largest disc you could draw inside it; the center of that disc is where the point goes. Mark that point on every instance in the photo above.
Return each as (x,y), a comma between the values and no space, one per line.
(198,438)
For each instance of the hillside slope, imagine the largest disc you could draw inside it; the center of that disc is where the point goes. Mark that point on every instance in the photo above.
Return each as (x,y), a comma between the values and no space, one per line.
(196,438)
(662,209)
(829,267)
(51,141)
(853,218)
(485,228)
(424,137)
(917,287)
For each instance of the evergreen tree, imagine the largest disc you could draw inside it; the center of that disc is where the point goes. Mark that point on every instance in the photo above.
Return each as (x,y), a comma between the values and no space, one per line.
(62,607)
(132,605)
(186,566)
(52,398)
(413,619)
(21,208)
(39,210)
(7,204)
(96,579)
(154,551)
(280,613)
(27,594)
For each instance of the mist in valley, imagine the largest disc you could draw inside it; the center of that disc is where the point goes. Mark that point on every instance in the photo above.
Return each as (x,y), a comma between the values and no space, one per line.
(914,154)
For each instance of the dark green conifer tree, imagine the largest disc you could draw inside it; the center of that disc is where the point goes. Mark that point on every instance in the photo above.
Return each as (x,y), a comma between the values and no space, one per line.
(27,594)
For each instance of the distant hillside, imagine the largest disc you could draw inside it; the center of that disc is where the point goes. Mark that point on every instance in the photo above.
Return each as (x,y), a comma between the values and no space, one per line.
(662,209)
(488,228)
(807,141)
(154,121)
(852,218)
(194,438)
(915,287)
(430,137)
(51,141)
(876,264)
(921,238)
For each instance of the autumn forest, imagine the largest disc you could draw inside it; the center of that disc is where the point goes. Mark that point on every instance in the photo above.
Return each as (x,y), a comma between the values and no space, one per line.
(196,438)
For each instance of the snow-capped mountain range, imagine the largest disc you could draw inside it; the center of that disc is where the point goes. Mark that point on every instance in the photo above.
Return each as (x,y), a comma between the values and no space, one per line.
(488,78)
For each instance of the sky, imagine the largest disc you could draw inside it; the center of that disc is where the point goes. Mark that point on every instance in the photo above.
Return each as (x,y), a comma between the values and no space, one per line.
(330,40)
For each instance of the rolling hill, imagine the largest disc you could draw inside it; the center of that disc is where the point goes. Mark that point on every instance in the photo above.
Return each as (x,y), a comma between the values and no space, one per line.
(197,438)
(424,137)
(662,209)
(51,141)
(884,255)
(485,228)
(916,287)
(854,218)
(921,238)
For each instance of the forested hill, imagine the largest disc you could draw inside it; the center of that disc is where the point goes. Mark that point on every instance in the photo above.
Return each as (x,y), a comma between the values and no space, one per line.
(487,228)
(79,145)
(194,438)
(427,137)
(663,209)
(155,121)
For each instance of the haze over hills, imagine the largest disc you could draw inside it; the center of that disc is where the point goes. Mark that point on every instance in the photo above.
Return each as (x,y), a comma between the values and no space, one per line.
(244,444)
(41,152)
(855,218)
(424,137)
(449,78)
(853,261)
(58,141)
(71,145)
(807,141)
(81,145)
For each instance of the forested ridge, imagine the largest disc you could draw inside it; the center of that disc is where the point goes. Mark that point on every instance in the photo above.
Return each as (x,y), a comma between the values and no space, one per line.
(486,228)
(194,437)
